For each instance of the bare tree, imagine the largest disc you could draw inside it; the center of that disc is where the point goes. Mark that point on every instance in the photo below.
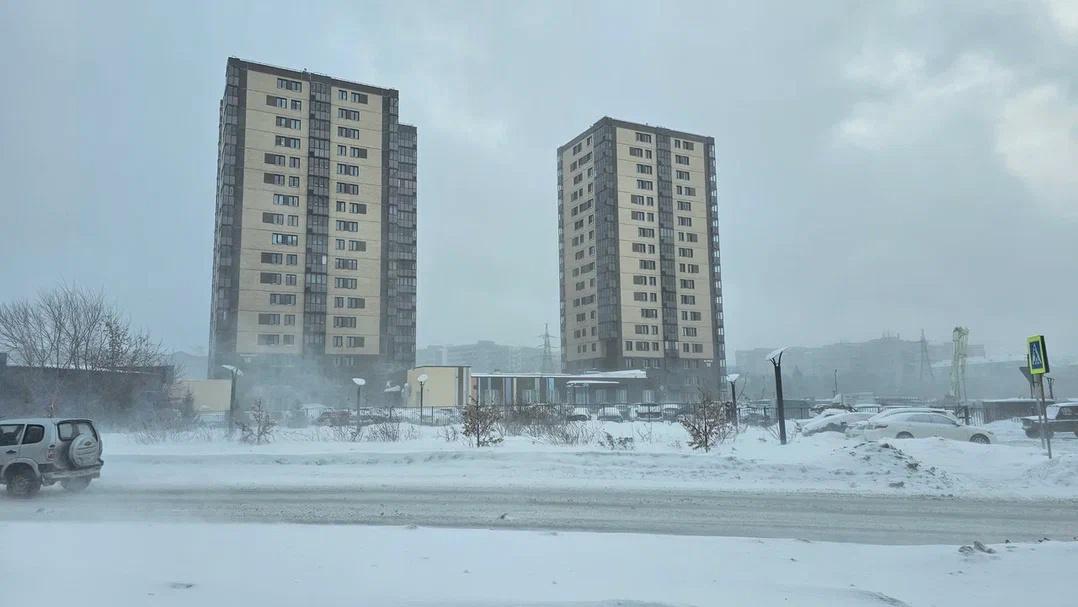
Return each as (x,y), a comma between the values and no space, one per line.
(480,423)
(262,425)
(706,424)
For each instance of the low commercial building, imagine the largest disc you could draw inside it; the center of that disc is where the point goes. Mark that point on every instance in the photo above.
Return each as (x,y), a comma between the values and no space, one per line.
(610,387)
(441,386)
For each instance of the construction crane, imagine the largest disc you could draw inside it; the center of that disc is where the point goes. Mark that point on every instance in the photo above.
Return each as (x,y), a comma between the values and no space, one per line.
(960,335)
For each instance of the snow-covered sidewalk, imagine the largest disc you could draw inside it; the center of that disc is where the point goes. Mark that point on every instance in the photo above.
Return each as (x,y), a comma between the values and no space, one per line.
(659,459)
(108,565)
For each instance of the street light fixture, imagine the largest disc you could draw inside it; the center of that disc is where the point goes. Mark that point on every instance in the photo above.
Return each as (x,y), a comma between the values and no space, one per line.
(235,372)
(422,379)
(780,408)
(732,379)
(359,382)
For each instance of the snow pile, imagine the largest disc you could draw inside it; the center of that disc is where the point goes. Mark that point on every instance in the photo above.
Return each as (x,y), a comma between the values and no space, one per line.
(884,462)
(208,565)
(1062,471)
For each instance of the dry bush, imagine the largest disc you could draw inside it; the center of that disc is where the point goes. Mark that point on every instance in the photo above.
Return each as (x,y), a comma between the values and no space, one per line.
(707,424)
(563,434)
(261,428)
(451,433)
(617,443)
(481,424)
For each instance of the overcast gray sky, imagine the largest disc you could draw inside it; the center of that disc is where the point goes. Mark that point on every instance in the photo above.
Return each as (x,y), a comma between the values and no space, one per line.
(882,168)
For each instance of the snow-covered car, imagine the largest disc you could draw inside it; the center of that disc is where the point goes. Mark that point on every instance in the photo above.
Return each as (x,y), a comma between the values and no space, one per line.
(1061,418)
(609,414)
(671,412)
(857,429)
(924,425)
(578,414)
(832,423)
(649,413)
(43,451)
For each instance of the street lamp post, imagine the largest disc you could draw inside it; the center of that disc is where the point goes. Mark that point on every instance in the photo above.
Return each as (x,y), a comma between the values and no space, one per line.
(422,388)
(780,408)
(359,382)
(235,372)
(732,379)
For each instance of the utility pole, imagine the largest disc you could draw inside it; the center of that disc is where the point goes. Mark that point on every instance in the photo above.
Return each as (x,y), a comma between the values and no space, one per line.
(546,367)
(422,388)
(732,378)
(780,408)
(834,393)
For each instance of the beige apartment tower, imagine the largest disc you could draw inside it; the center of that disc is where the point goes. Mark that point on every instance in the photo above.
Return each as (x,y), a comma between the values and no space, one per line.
(314,274)
(638,238)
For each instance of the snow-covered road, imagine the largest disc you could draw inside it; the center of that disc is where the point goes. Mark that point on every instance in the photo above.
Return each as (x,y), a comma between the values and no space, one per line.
(223,565)
(826,517)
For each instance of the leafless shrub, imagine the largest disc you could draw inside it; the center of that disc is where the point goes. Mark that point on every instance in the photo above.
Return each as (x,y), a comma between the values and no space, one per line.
(564,433)
(616,443)
(390,431)
(707,425)
(481,423)
(261,428)
(644,432)
(451,433)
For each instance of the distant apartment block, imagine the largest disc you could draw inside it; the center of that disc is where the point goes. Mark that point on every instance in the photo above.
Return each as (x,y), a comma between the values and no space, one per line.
(314,263)
(486,357)
(641,286)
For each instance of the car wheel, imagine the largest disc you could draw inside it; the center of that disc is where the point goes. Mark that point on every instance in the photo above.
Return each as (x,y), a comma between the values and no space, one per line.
(75,485)
(980,439)
(1031,433)
(23,483)
(904,435)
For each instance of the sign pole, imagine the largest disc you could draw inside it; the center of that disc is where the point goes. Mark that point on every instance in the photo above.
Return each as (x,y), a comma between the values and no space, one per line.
(1045,436)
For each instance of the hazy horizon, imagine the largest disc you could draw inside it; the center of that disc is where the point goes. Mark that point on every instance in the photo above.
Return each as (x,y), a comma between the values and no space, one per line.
(881,169)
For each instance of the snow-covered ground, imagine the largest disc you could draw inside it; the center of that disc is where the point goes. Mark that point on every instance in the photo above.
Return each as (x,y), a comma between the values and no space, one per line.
(753,462)
(106,565)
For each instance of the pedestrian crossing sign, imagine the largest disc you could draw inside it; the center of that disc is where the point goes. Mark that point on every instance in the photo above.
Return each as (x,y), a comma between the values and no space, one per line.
(1037,354)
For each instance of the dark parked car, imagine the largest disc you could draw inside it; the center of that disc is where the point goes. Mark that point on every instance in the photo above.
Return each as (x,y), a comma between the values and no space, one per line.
(649,413)
(1061,418)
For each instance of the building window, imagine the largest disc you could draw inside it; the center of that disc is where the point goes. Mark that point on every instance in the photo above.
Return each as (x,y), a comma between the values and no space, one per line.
(688,145)
(683,175)
(684,252)
(293,162)
(357,245)
(348,188)
(645,184)
(293,221)
(644,169)
(290,240)
(647,264)
(268,340)
(636,152)
(359,97)
(275,159)
(345,283)
(342,150)
(358,208)
(269,319)
(289,85)
(269,278)
(282,299)
(697,348)
(287,142)
(684,205)
(639,247)
(645,232)
(293,181)
(347,169)
(347,226)
(290,279)
(357,303)
(338,341)
(640,296)
(289,340)
(688,300)
(297,105)
(643,137)
(340,244)
(347,133)
(280,102)
(347,114)
(344,322)
(689,331)
(688,283)
(276,218)
(288,123)
(273,178)
(272,258)
(684,221)
(341,263)
(292,259)
(355,152)
(355,341)
(286,200)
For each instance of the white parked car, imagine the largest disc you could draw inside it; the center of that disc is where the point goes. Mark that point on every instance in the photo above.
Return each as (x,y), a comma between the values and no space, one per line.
(579,414)
(609,414)
(923,425)
(857,429)
(832,423)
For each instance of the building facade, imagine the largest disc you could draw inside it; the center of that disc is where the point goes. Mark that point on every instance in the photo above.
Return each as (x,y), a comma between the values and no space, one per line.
(641,286)
(315,234)
(486,356)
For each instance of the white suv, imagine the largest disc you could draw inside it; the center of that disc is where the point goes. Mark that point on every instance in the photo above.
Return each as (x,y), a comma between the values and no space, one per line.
(44,451)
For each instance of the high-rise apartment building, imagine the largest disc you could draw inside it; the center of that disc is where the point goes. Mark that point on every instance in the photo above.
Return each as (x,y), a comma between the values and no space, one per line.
(639,255)
(315,232)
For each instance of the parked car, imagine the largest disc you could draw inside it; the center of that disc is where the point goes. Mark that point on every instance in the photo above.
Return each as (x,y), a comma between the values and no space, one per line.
(579,414)
(36,452)
(832,423)
(671,413)
(925,424)
(609,414)
(857,429)
(1061,418)
(336,417)
(649,413)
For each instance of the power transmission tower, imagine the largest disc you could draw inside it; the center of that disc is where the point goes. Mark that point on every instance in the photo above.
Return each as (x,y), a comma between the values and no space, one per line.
(547,364)
(926,361)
